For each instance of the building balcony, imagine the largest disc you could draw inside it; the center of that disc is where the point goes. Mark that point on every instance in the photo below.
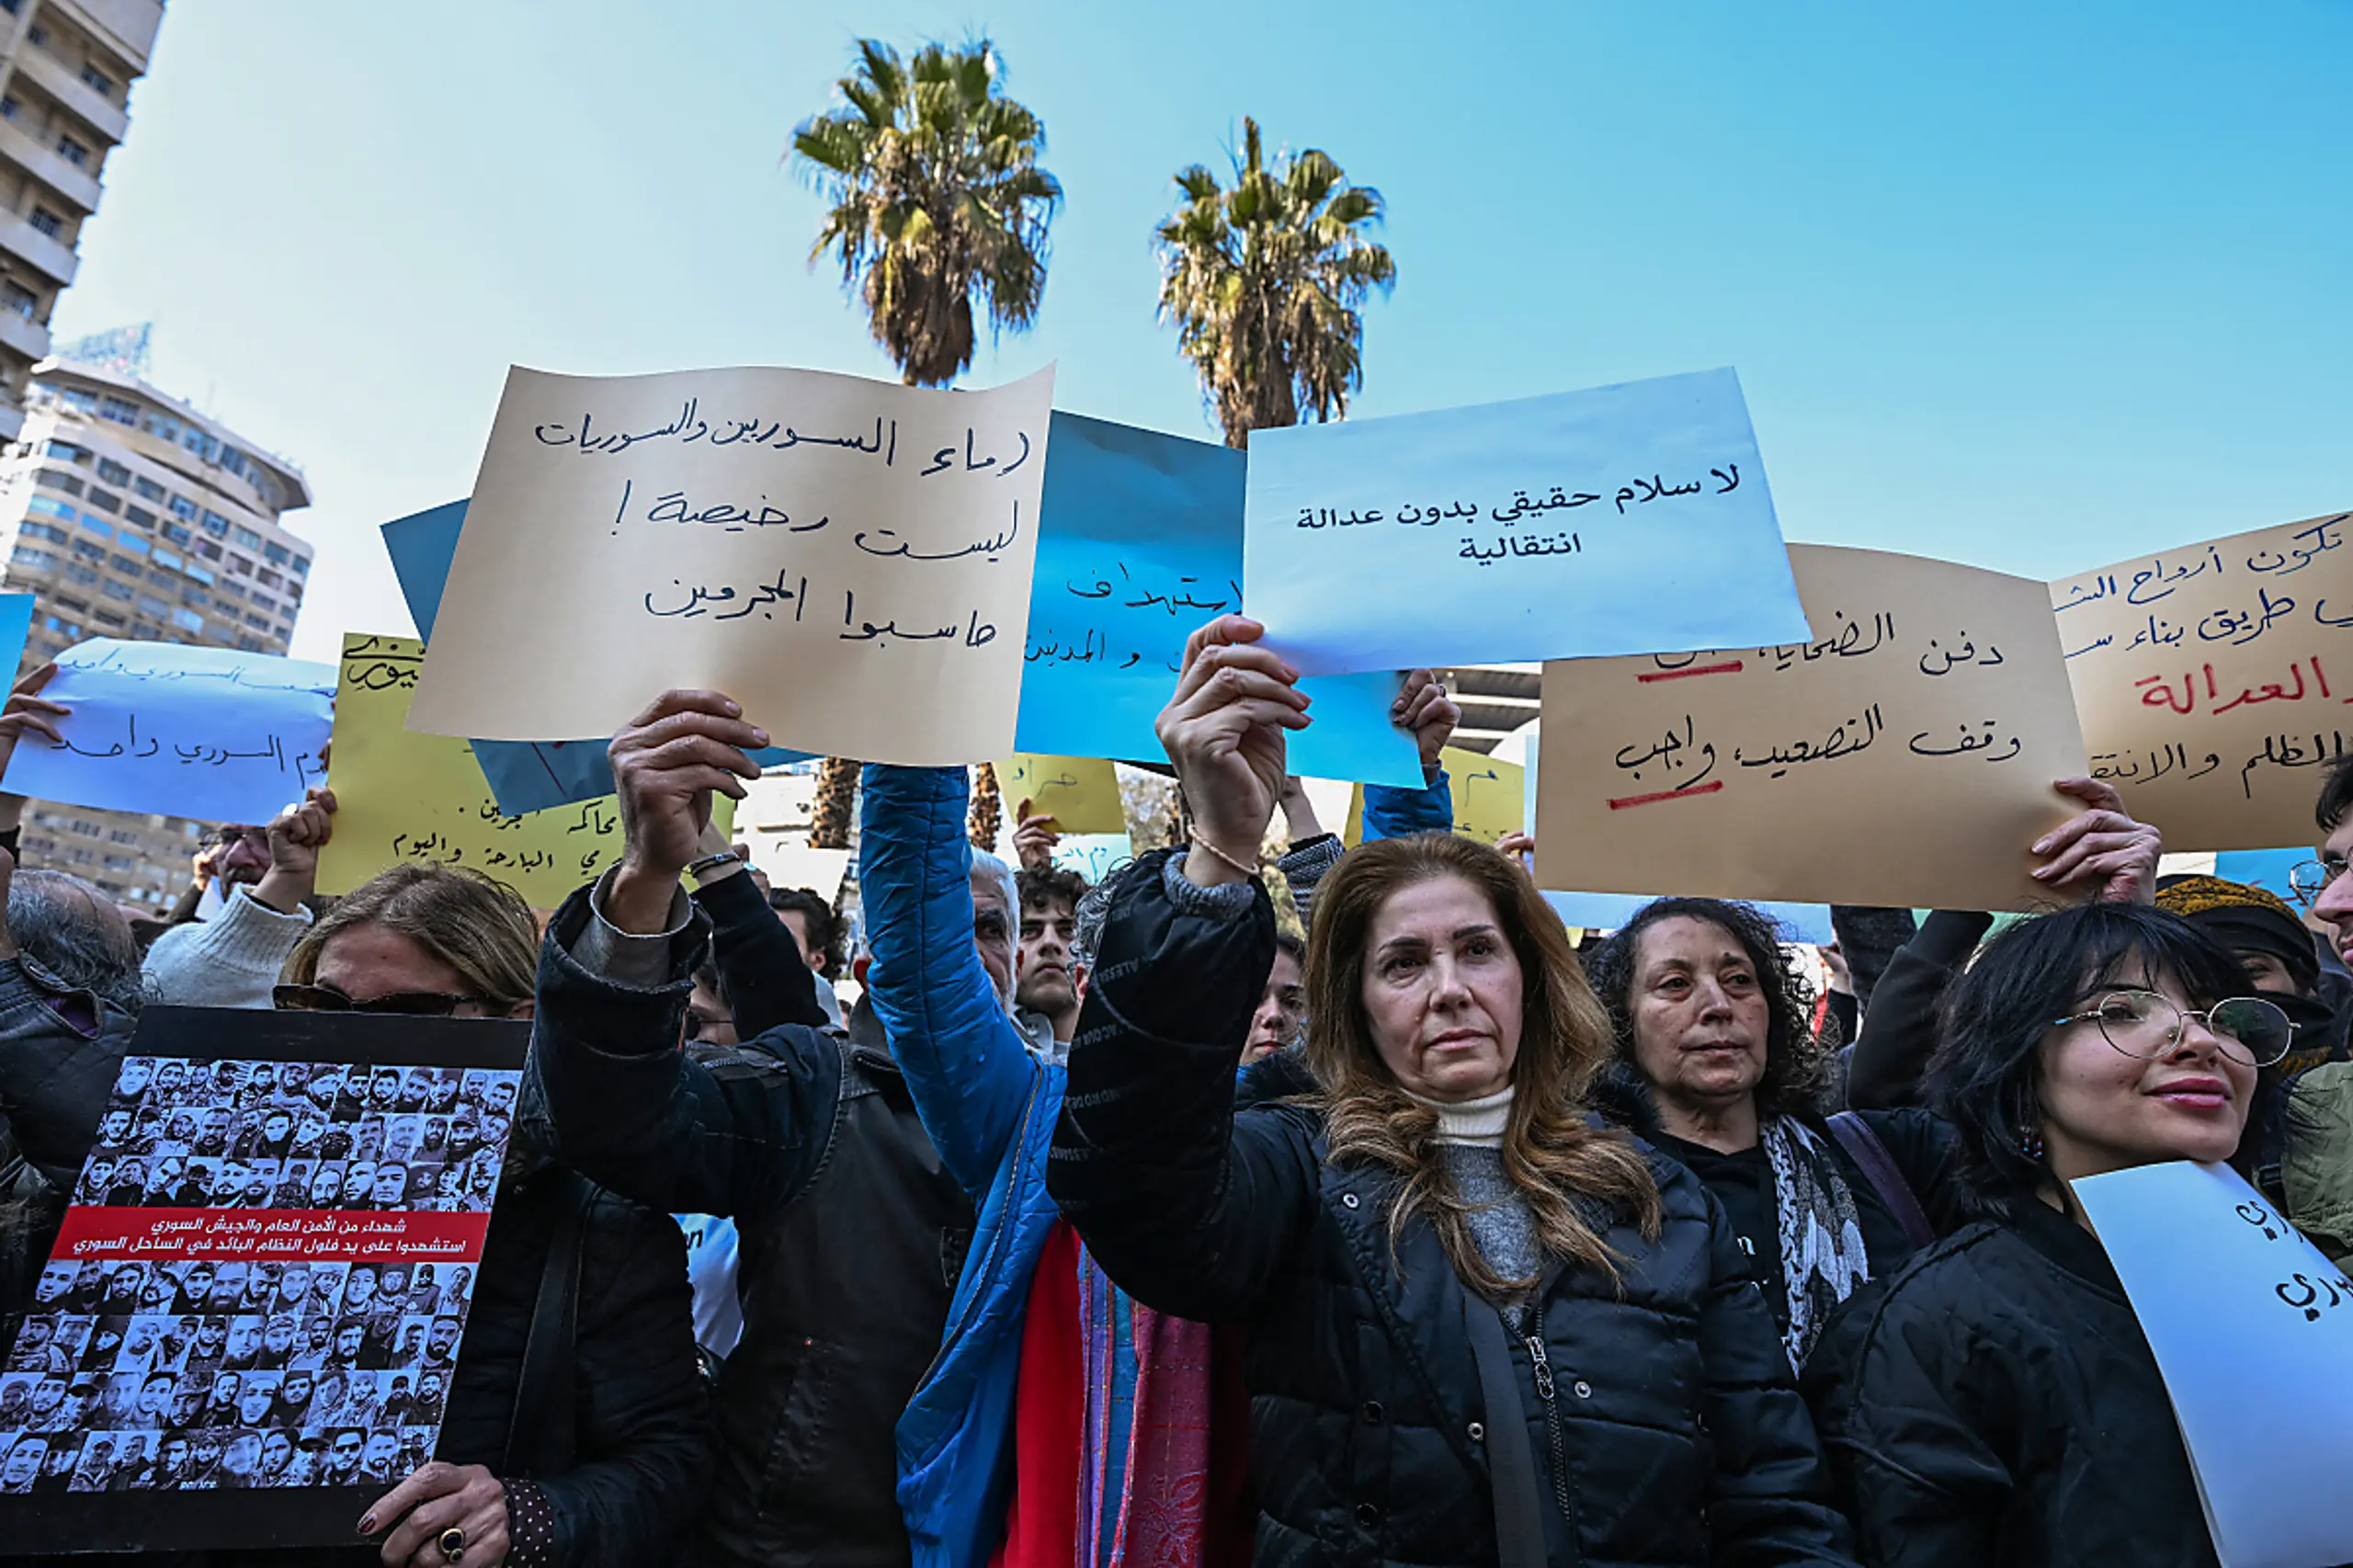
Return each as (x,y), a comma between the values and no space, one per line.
(12,422)
(127,25)
(74,183)
(48,72)
(54,259)
(23,335)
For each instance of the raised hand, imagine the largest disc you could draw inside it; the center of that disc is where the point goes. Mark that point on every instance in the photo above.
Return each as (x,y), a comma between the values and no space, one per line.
(1034,837)
(1224,731)
(1423,709)
(667,762)
(2102,851)
(296,836)
(29,712)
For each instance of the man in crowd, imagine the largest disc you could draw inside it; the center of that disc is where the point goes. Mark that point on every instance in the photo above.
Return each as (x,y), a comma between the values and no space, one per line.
(850,1235)
(1049,975)
(817,932)
(234,958)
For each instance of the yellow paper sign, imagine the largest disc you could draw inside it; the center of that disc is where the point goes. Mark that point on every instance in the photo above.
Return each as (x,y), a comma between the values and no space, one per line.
(850,559)
(2210,680)
(1081,793)
(404,796)
(1488,799)
(1903,757)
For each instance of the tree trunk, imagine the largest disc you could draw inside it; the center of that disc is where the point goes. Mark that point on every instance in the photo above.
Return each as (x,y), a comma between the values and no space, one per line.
(836,789)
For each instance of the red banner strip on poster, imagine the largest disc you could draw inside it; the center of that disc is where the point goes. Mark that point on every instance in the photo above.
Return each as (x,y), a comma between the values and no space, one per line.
(331,1235)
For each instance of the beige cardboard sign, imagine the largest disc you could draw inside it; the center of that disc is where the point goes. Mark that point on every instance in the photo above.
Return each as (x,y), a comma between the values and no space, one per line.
(2212,680)
(1906,756)
(848,559)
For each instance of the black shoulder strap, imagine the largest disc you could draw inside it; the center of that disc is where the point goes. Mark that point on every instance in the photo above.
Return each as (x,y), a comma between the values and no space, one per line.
(1511,1465)
(1878,1167)
(539,1441)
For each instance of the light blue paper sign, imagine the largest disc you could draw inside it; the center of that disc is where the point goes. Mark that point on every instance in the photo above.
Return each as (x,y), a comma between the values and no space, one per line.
(524,776)
(1627,520)
(1092,855)
(1808,923)
(205,732)
(2265,869)
(16,625)
(1139,543)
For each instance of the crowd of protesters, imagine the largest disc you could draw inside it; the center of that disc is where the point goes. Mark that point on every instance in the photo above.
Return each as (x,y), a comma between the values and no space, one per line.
(1160,1221)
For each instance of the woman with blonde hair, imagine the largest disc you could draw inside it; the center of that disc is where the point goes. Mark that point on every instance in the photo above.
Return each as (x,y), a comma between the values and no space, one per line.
(605,1461)
(1482,1328)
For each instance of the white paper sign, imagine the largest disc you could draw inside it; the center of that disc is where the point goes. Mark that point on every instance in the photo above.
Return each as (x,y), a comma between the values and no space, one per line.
(2253,1329)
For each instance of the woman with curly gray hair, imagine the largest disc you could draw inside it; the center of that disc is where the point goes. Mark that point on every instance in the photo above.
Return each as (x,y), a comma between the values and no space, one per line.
(1719,1067)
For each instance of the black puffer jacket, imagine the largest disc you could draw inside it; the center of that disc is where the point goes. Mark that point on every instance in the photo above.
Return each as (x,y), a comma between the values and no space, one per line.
(1674,1434)
(1918,1145)
(1995,1401)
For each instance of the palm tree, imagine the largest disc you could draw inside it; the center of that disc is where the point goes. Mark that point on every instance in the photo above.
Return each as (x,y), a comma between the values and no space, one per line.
(936,198)
(1265,281)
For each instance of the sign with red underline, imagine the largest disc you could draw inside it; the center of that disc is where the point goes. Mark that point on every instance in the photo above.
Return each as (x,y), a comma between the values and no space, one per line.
(1904,757)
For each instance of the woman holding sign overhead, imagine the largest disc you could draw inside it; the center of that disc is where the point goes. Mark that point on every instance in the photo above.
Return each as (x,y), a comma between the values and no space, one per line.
(1997,1401)
(1482,1328)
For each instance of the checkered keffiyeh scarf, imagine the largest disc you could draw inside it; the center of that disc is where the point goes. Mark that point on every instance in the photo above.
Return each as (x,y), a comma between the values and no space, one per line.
(1823,1257)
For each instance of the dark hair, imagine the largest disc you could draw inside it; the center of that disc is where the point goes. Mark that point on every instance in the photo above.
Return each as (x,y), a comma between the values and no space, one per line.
(2335,801)
(1986,1076)
(824,928)
(1050,884)
(1287,943)
(1793,1058)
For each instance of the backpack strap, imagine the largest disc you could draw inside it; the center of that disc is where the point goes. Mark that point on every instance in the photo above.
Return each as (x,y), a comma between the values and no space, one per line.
(1511,1464)
(539,1438)
(1878,1167)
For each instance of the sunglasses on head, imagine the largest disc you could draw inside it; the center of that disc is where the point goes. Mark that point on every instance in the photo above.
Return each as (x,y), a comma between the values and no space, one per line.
(405,1004)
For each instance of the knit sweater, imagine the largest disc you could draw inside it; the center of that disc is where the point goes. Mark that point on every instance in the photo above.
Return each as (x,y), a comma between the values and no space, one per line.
(1470,1143)
(230,961)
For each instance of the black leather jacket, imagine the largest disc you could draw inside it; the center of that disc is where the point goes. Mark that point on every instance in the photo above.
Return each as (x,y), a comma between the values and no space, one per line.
(850,1238)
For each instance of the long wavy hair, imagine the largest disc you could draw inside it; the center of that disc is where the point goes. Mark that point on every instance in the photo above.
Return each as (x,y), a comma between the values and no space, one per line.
(1574,1176)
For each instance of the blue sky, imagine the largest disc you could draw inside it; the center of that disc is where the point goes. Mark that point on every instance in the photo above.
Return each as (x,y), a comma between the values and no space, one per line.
(2031,286)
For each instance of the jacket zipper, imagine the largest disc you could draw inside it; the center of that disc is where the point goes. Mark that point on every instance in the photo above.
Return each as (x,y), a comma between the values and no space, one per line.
(1001,1244)
(1546,1391)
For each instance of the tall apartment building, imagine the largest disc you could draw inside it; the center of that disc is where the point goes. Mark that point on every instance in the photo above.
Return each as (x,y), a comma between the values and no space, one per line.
(67,68)
(128,514)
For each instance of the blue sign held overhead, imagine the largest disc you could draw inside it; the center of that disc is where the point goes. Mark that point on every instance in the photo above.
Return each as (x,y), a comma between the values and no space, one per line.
(1625,519)
(1139,543)
(212,734)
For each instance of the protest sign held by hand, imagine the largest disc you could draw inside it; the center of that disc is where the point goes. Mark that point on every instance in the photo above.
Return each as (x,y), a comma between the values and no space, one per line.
(851,558)
(1878,763)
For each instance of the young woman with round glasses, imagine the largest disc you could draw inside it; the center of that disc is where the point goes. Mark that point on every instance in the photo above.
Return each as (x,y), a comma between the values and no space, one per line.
(1996,1401)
